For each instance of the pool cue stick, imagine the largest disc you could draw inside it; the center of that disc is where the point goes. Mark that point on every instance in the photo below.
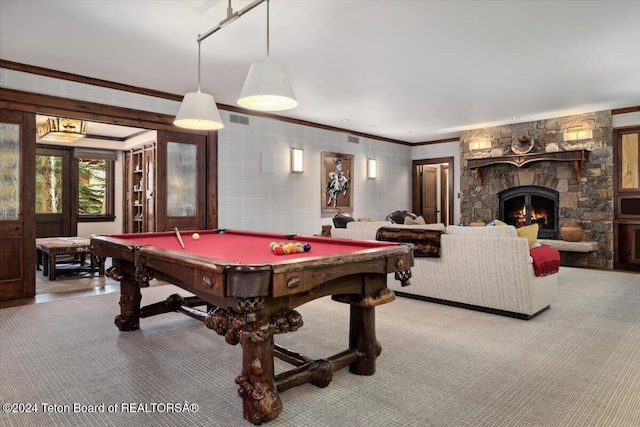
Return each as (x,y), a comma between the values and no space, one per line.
(179,237)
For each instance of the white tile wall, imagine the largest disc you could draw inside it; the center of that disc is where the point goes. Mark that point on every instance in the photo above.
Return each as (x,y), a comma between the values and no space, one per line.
(251,199)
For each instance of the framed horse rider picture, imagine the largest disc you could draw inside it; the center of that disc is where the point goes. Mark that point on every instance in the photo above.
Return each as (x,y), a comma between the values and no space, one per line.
(337,182)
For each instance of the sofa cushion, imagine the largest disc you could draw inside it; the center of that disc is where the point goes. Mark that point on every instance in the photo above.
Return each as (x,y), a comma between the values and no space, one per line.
(530,232)
(414,221)
(505,231)
(426,242)
(435,226)
(342,219)
(398,217)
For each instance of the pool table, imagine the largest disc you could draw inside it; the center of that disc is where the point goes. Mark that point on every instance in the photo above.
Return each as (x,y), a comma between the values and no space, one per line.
(250,294)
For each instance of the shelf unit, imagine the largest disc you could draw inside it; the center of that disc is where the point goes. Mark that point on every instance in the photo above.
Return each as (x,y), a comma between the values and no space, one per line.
(139,187)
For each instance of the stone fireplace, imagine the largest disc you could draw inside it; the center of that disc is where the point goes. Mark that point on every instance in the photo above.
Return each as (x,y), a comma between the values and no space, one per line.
(581,190)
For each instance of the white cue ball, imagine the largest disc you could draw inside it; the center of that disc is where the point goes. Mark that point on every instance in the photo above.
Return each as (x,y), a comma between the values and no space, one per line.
(195,236)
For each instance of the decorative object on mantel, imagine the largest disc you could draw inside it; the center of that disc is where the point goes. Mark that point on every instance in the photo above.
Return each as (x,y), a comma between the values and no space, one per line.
(552,148)
(523,145)
(497,152)
(571,232)
(477,222)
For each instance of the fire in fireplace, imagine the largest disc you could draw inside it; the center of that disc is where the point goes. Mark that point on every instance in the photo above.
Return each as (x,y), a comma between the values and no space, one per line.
(530,204)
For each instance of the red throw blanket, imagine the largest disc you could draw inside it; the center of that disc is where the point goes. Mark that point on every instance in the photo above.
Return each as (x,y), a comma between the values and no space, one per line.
(546,260)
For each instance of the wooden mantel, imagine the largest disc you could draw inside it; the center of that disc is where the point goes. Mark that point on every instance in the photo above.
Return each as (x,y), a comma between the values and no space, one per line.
(519,160)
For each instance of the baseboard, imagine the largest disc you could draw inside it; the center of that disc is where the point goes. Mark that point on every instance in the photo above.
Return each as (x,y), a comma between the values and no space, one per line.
(471,306)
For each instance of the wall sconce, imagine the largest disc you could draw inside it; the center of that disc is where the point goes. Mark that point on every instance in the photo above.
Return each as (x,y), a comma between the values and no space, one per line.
(372,168)
(480,144)
(297,160)
(577,134)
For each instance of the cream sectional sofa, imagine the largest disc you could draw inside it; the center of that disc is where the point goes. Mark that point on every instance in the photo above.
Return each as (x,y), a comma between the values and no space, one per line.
(484,268)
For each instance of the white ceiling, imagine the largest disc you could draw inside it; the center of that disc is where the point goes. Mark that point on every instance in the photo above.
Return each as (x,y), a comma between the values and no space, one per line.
(407,70)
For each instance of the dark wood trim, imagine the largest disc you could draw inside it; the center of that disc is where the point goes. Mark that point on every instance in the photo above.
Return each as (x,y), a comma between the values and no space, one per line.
(52,105)
(444,174)
(29,204)
(471,306)
(32,69)
(625,110)
(168,119)
(415,179)
(212,180)
(437,141)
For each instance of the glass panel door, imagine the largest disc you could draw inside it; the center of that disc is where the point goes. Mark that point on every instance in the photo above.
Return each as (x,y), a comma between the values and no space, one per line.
(17,241)
(9,171)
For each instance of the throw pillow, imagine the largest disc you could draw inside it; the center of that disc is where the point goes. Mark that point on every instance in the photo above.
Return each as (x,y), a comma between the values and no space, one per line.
(530,232)
(496,222)
(410,221)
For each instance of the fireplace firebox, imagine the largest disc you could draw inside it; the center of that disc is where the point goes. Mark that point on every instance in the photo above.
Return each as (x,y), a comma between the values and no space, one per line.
(530,204)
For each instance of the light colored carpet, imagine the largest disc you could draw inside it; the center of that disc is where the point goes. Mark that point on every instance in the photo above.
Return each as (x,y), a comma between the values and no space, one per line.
(577,364)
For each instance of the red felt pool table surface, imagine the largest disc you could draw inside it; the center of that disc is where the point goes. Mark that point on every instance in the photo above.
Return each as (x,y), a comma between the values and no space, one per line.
(246,247)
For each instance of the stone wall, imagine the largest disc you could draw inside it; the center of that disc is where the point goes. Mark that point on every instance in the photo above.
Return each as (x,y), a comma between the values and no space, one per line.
(588,201)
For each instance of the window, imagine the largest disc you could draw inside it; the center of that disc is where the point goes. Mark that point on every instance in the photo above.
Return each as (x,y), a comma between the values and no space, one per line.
(96,170)
(48,184)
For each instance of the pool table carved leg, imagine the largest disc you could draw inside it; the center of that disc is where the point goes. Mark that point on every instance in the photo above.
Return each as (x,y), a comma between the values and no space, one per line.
(260,398)
(130,297)
(362,338)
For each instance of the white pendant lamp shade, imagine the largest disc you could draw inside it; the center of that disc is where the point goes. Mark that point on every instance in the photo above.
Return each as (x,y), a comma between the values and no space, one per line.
(267,88)
(198,111)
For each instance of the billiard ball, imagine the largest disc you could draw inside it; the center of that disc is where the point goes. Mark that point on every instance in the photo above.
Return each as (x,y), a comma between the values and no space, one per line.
(307,247)
(195,236)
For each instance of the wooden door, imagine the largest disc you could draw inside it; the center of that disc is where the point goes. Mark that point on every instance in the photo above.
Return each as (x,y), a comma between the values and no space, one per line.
(627,196)
(430,194)
(181,182)
(53,192)
(17,201)
(419,194)
(444,193)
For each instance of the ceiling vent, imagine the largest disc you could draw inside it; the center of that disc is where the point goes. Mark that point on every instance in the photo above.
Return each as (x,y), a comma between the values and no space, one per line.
(242,120)
(353,139)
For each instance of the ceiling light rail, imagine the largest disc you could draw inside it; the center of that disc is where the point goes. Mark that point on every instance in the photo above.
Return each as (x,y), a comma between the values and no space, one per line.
(266,88)
(231,17)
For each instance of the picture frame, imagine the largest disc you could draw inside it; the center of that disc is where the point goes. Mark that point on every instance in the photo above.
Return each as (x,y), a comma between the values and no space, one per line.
(337,182)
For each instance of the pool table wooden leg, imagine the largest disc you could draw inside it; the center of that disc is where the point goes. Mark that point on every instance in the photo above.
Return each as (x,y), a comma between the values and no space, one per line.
(130,297)
(362,338)
(260,398)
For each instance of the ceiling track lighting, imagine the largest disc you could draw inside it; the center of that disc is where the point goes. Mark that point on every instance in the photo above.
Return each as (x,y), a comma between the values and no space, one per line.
(266,88)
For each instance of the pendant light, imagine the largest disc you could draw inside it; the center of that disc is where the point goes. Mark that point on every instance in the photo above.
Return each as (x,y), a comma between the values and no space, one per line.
(198,110)
(267,87)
